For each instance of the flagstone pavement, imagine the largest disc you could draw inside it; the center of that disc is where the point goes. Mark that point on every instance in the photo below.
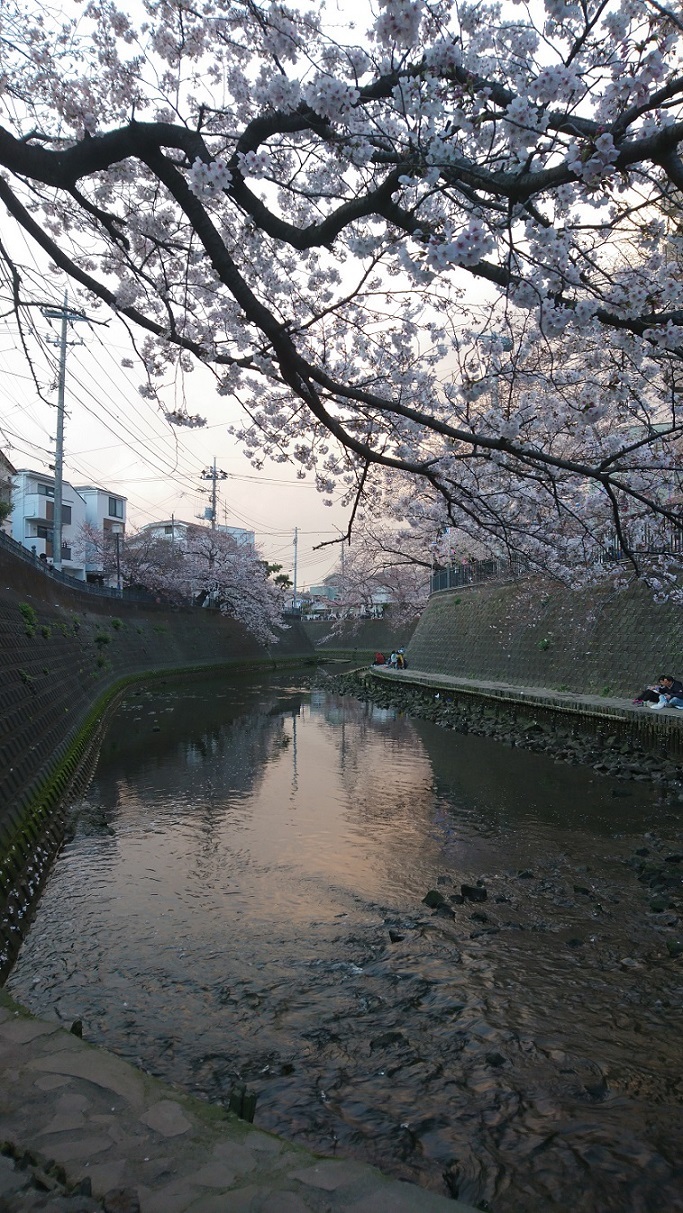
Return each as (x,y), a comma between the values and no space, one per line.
(127,1143)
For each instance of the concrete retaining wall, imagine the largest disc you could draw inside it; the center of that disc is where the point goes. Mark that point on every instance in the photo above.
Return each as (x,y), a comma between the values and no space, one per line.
(531,633)
(358,640)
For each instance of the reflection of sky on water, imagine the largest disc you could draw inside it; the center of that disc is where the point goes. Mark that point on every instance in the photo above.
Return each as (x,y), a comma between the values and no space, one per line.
(314,789)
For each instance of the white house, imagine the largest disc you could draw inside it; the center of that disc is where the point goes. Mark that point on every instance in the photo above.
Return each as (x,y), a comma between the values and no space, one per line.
(33,518)
(106,513)
(175,530)
(103,509)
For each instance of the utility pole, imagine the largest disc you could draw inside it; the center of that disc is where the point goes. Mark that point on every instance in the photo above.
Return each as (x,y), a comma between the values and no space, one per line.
(214,475)
(296,547)
(66,318)
(117,541)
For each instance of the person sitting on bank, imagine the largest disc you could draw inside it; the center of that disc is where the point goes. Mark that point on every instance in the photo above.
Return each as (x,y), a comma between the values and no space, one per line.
(670,693)
(652,693)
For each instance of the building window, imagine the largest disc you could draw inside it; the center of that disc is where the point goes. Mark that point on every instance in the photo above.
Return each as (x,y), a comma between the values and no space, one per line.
(115,507)
(43,532)
(46,490)
(66,515)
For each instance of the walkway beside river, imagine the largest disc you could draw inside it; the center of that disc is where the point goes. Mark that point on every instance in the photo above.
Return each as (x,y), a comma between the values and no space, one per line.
(655,731)
(138,1144)
(560,701)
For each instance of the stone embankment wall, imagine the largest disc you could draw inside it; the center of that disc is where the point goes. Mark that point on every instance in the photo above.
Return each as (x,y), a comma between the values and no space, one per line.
(63,653)
(530,633)
(358,640)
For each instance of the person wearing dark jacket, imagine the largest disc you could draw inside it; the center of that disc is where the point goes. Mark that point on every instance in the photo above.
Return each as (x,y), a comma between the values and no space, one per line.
(670,693)
(651,694)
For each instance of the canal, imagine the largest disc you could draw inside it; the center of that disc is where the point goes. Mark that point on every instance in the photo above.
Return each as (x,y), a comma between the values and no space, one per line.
(241,899)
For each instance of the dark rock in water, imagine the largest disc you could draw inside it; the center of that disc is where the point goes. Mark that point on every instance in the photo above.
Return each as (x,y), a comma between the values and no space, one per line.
(473,892)
(443,880)
(525,874)
(673,858)
(479,916)
(643,851)
(396,937)
(76,1029)
(575,942)
(597,1091)
(495,1059)
(433,899)
(674,947)
(445,911)
(581,888)
(659,904)
(84,1188)
(386,1040)
(621,792)
(456,899)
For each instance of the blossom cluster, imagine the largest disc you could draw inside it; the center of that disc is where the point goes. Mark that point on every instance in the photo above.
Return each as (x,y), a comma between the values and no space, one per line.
(594,162)
(330,98)
(179,418)
(254,164)
(207,180)
(399,22)
(469,247)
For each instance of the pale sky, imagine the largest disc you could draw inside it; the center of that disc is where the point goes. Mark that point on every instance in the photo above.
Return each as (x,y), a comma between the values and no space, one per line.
(116,438)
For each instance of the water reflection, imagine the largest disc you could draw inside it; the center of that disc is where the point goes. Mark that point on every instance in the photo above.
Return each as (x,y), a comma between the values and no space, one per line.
(236,923)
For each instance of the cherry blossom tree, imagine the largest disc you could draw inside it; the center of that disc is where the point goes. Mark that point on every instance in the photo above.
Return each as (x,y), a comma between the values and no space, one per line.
(374,579)
(338,220)
(213,569)
(143,560)
(205,567)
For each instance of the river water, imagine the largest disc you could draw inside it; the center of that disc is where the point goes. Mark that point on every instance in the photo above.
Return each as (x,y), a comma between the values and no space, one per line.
(224,908)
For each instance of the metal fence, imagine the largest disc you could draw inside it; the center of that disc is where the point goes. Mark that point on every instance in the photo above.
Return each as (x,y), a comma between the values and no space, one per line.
(474,572)
(128,594)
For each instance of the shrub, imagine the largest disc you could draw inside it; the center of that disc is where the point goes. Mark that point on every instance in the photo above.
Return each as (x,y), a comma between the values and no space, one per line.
(101,638)
(117,623)
(28,614)
(46,631)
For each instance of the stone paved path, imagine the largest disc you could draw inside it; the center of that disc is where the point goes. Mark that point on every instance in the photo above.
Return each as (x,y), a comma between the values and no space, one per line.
(137,1143)
(563,701)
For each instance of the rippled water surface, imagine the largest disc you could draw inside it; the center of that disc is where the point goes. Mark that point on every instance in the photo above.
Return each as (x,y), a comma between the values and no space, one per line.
(224,911)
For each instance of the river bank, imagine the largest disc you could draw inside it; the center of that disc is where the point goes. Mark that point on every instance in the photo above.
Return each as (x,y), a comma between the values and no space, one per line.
(600,742)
